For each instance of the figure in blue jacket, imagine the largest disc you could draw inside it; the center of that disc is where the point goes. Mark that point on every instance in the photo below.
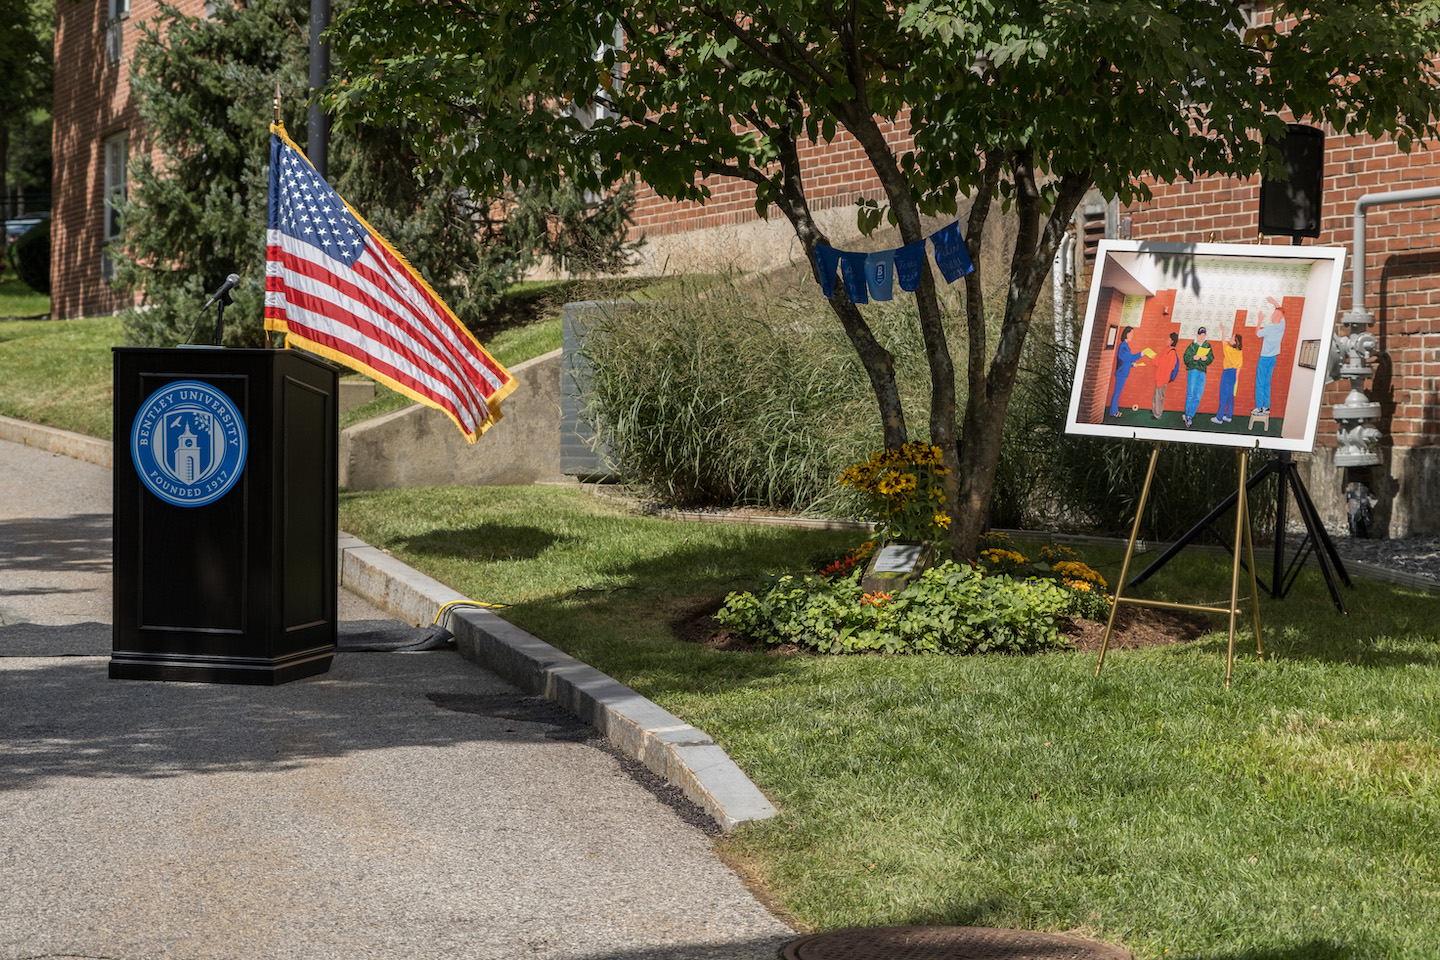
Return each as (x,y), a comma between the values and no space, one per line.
(1124,359)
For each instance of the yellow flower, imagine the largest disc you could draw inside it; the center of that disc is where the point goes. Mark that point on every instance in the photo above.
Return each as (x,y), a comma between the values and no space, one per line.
(1000,555)
(1075,570)
(1053,552)
(942,520)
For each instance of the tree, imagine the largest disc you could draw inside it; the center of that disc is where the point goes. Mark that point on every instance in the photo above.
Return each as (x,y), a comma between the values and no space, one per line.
(26,81)
(198,211)
(1029,104)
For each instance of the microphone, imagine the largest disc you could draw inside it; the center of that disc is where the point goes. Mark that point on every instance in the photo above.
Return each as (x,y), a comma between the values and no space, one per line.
(225,288)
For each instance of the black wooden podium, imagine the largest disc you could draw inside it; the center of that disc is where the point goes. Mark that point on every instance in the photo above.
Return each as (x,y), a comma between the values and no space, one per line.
(225,486)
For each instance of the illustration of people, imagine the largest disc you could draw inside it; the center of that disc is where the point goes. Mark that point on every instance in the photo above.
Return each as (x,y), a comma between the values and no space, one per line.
(1199,355)
(1232,359)
(1270,332)
(1167,368)
(1125,358)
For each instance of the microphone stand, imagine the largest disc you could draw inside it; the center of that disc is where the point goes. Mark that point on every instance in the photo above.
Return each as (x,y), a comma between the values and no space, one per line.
(220,303)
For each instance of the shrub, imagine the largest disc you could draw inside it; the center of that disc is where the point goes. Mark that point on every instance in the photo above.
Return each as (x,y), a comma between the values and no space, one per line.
(721,397)
(725,397)
(30,255)
(1085,585)
(950,608)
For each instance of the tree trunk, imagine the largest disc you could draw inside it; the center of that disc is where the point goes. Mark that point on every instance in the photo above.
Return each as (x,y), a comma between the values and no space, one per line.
(990,392)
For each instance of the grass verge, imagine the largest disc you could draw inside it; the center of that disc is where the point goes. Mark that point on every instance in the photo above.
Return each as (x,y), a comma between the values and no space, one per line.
(18,300)
(59,372)
(1292,816)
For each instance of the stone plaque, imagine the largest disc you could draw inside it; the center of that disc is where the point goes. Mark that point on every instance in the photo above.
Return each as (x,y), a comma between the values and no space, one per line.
(895,566)
(900,558)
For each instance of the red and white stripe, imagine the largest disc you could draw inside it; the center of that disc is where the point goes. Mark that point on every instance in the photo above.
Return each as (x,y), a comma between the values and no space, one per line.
(378,317)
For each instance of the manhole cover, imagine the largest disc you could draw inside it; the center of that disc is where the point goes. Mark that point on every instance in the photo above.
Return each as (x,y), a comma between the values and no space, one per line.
(948,943)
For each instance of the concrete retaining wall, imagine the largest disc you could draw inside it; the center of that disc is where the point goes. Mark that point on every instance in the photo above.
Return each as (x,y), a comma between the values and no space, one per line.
(421,447)
(1406,484)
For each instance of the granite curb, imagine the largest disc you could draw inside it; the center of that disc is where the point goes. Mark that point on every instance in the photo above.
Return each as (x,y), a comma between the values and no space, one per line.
(682,754)
(77,446)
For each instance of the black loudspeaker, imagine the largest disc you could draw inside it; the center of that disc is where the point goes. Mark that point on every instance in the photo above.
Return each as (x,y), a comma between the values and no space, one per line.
(1291,207)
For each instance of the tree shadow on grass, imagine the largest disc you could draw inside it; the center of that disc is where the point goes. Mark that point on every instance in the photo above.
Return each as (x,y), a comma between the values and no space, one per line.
(1365,650)
(1385,625)
(1314,949)
(488,542)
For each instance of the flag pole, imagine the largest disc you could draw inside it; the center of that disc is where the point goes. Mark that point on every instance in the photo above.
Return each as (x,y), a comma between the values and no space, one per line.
(269,335)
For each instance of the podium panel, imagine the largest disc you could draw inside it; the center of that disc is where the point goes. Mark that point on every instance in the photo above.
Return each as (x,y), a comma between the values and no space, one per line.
(225,515)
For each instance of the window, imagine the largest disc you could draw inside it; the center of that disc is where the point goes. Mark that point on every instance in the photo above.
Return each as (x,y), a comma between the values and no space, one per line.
(117,155)
(114,33)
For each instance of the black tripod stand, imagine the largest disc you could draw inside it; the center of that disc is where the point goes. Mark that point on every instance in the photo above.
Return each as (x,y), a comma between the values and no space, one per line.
(1316,540)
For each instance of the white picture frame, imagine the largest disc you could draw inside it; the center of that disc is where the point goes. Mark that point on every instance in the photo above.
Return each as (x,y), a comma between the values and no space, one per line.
(1152,290)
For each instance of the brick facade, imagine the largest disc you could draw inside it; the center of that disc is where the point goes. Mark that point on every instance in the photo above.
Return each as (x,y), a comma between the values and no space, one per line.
(1402,290)
(92,105)
(836,175)
(1402,265)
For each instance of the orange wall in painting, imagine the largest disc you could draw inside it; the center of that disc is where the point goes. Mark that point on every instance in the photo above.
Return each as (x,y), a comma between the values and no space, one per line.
(1156,325)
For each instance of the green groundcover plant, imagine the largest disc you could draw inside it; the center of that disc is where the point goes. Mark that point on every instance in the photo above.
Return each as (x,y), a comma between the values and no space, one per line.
(1003,603)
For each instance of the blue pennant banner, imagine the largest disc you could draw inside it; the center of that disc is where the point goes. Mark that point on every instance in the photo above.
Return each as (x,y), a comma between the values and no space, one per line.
(909,262)
(852,271)
(880,274)
(872,276)
(951,254)
(827,259)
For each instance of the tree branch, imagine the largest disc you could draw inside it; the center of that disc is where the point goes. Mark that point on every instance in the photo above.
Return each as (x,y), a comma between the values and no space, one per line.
(975,324)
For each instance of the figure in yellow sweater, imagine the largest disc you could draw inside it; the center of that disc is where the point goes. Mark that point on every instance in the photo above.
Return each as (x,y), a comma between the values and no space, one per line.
(1233,361)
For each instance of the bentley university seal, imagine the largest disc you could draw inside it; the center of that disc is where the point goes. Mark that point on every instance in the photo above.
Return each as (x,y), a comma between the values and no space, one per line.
(188,443)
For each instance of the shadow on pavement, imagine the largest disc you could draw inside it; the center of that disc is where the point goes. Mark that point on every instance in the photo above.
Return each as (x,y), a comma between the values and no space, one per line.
(42,640)
(56,543)
(64,717)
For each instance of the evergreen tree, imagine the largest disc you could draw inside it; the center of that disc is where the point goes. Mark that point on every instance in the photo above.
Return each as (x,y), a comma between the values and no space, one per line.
(197,209)
(26,87)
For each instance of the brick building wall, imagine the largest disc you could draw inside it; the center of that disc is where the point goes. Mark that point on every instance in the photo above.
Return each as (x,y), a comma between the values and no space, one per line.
(92,108)
(836,174)
(1402,290)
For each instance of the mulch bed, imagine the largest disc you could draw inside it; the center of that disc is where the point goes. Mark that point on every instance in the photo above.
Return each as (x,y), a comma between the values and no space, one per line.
(1134,627)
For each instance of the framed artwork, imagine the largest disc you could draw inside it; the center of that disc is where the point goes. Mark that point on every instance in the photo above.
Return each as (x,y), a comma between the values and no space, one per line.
(1217,343)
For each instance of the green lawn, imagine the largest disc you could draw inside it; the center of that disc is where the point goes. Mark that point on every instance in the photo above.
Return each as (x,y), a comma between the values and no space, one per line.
(18,300)
(59,372)
(1292,817)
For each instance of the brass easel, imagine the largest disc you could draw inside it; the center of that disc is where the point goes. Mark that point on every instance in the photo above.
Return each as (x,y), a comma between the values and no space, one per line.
(1242,529)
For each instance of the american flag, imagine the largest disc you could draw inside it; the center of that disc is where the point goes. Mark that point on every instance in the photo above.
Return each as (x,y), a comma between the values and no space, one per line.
(338,289)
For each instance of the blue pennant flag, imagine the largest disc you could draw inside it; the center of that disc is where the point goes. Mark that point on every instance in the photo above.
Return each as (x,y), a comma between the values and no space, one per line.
(826,260)
(852,271)
(909,261)
(880,274)
(951,254)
